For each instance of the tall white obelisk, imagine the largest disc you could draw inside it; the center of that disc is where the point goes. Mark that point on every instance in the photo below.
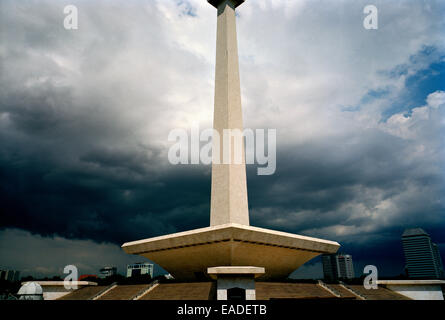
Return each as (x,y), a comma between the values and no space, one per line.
(229,241)
(229,188)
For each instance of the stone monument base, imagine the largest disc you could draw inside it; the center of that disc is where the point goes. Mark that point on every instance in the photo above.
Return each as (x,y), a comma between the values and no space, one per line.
(187,255)
(240,279)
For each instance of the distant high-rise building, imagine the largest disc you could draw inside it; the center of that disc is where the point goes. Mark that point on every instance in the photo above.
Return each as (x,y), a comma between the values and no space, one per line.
(329,267)
(422,256)
(10,275)
(438,259)
(138,269)
(337,266)
(345,267)
(107,272)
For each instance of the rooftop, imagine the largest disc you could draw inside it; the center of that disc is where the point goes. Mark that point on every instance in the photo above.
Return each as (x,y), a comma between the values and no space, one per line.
(414,232)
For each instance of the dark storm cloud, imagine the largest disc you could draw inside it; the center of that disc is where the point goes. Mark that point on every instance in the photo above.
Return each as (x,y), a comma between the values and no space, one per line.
(73,161)
(47,256)
(91,203)
(322,176)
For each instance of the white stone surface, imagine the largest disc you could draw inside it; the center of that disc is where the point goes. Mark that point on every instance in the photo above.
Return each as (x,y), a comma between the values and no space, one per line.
(416,289)
(30,288)
(229,241)
(229,188)
(419,292)
(186,253)
(411,282)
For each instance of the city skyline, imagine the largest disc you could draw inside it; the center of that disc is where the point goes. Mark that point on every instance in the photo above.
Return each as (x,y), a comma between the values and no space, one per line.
(85,115)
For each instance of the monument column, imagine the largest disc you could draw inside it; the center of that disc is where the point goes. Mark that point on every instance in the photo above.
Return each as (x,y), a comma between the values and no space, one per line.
(229,250)
(229,189)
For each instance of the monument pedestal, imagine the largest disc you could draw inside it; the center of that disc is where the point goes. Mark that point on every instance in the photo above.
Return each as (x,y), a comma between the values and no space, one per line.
(187,255)
(238,279)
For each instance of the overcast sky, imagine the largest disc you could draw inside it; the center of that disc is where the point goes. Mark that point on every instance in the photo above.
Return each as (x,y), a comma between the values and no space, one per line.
(85,115)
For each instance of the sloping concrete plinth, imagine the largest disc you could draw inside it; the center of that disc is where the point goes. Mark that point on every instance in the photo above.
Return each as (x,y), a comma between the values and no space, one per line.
(187,255)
